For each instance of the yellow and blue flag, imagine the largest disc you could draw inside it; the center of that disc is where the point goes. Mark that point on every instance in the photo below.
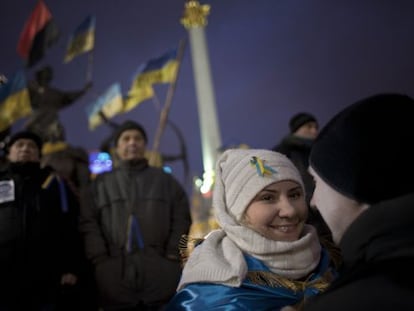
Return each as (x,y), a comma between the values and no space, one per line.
(110,104)
(157,70)
(14,100)
(82,40)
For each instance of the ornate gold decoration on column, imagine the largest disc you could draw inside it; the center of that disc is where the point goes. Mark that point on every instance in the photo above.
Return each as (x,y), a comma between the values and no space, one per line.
(195,15)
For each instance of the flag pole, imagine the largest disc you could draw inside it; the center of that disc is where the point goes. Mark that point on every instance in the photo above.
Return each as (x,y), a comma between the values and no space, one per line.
(156,102)
(89,67)
(168,100)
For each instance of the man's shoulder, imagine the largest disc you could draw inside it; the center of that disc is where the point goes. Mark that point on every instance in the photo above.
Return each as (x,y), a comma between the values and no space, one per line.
(373,293)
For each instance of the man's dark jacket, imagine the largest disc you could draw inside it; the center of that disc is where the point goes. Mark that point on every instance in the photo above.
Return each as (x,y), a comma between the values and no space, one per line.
(39,240)
(378,255)
(132,219)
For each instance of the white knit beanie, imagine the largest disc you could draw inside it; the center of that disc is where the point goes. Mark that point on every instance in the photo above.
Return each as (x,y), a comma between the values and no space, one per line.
(241,174)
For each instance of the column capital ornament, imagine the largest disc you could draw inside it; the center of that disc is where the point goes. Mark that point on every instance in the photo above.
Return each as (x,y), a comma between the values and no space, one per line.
(195,15)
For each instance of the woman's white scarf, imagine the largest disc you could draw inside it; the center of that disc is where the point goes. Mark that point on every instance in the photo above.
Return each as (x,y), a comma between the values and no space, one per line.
(219,259)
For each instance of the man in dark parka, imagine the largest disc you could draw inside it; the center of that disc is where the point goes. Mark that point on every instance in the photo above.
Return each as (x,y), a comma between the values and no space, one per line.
(39,240)
(132,219)
(364,189)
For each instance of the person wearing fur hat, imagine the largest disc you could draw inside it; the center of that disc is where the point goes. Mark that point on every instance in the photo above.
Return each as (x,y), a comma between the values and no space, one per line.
(39,242)
(264,256)
(363,169)
(132,219)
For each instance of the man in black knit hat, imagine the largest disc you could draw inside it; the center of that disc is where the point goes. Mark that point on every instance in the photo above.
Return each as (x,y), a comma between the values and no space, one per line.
(39,242)
(297,145)
(132,219)
(364,189)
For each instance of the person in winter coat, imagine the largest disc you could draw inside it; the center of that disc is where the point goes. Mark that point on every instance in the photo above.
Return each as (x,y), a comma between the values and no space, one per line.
(39,241)
(132,219)
(297,145)
(264,256)
(304,128)
(363,171)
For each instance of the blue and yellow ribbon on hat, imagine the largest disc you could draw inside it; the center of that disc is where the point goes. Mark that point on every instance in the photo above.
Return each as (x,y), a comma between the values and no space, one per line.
(261,168)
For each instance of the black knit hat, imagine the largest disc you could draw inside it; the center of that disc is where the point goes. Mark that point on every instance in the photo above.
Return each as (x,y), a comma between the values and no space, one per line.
(300,119)
(364,152)
(26,135)
(129,125)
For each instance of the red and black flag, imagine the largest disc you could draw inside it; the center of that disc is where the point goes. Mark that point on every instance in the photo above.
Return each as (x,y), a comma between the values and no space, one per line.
(39,33)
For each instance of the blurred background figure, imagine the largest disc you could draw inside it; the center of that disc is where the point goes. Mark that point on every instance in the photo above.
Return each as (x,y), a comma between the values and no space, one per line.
(298,143)
(132,219)
(39,241)
(69,161)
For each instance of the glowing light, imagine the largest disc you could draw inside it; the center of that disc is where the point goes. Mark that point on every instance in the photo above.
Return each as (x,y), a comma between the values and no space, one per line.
(167,169)
(198,182)
(99,162)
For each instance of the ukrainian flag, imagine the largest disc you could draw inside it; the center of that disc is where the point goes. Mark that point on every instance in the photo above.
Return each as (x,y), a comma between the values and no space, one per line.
(157,70)
(137,94)
(14,100)
(82,40)
(110,104)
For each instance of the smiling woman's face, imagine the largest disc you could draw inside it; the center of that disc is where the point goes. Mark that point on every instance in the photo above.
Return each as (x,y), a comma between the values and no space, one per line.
(278,212)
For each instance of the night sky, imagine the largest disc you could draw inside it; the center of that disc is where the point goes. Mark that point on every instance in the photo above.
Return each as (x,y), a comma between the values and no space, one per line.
(269,59)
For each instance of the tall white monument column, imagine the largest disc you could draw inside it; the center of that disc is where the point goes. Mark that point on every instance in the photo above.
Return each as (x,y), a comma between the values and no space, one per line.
(195,21)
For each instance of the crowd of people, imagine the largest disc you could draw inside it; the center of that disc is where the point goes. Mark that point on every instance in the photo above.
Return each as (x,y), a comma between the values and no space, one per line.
(322,221)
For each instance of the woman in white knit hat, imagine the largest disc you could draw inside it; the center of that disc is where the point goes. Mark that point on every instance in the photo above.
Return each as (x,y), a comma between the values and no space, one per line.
(264,256)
